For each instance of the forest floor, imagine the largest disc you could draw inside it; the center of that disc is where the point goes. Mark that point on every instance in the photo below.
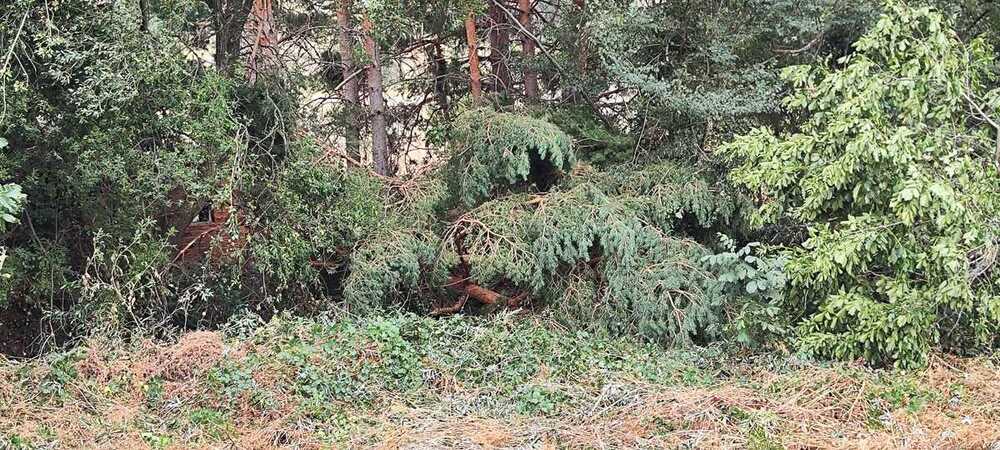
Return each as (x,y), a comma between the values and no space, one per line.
(408,382)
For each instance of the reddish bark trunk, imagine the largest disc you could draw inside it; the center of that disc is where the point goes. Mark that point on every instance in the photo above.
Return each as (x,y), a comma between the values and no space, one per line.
(499,48)
(528,45)
(261,23)
(475,82)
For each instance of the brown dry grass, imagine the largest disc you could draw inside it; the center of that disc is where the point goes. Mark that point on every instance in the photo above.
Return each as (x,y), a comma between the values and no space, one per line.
(802,408)
(812,408)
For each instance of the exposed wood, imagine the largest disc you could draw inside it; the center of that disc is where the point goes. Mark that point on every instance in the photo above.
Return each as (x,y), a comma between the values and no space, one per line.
(528,47)
(445,310)
(211,239)
(380,138)
(352,97)
(475,82)
(475,291)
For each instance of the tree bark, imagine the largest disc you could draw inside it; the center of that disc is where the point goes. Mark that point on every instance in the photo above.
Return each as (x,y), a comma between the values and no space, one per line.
(380,138)
(528,46)
(230,16)
(440,69)
(262,21)
(499,48)
(475,82)
(352,134)
(144,16)
(572,90)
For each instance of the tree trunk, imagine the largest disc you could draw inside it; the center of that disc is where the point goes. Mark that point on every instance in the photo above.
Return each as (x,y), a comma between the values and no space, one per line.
(144,16)
(380,140)
(440,69)
(528,45)
(475,83)
(262,24)
(582,46)
(572,89)
(499,48)
(352,135)
(230,16)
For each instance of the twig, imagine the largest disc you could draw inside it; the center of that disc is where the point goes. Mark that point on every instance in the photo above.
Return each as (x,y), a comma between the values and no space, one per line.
(6,63)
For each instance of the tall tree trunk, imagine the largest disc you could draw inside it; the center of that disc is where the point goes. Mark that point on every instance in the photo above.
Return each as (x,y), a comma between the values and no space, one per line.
(380,138)
(475,82)
(262,25)
(352,135)
(499,48)
(440,69)
(528,44)
(144,16)
(230,16)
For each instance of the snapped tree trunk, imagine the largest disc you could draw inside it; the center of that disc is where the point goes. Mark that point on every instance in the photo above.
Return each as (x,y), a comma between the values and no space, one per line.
(475,82)
(528,46)
(380,138)
(499,48)
(352,135)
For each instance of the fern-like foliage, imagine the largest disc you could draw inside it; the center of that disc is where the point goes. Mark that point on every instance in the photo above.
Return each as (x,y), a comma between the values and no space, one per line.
(498,151)
(591,258)
(671,195)
(391,269)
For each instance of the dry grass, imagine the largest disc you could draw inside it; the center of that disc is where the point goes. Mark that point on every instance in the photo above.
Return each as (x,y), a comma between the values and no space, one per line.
(814,408)
(955,403)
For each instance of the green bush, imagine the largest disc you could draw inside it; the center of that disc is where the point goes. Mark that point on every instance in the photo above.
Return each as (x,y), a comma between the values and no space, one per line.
(754,280)
(894,173)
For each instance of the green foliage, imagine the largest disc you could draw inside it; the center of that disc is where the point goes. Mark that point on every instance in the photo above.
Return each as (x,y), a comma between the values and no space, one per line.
(673,196)
(11,202)
(593,141)
(755,282)
(593,260)
(365,361)
(897,183)
(120,138)
(390,270)
(498,151)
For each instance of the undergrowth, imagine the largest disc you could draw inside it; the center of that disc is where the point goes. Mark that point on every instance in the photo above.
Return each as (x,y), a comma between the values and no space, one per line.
(503,382)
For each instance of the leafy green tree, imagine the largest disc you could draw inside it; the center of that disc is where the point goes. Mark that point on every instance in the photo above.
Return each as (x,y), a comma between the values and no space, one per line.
(895,173)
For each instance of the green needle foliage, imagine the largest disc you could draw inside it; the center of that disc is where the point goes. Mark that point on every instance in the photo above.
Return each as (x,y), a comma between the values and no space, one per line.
(895,174)
(497,150)
(595,261)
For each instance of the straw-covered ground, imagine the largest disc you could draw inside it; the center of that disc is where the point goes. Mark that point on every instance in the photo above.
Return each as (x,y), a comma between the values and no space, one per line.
(407,382)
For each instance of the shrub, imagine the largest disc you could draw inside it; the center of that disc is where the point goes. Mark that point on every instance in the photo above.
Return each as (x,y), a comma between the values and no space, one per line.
(753,279)
(592,259)
(898,185)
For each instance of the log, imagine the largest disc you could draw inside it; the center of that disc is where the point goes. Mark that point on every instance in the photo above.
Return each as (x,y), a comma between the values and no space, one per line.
(475,291)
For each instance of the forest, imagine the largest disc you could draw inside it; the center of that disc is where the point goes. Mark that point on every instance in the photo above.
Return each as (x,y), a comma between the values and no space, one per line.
(499,224)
